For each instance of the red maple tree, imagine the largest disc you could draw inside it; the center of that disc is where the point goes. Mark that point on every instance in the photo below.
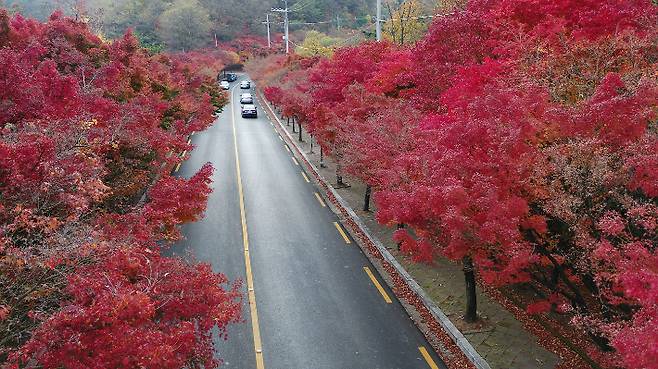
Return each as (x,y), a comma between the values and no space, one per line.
(89,131)
(534,161)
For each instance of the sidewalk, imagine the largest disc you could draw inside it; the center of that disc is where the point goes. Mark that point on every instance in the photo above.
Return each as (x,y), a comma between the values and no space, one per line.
(503,342)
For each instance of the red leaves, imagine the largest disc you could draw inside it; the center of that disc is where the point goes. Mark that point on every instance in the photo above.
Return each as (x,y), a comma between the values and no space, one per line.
(4,312)
(536,154)
(174,201)
(638,345)
(347,66)
(644,167)
(86,128)
(539,307)
(612,115)
(136,308)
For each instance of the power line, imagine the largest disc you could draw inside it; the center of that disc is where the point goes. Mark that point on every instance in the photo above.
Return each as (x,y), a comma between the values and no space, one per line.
(304,4)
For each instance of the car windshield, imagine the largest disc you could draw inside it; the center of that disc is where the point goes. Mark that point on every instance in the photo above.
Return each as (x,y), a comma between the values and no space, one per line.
(249,107)
(245,95)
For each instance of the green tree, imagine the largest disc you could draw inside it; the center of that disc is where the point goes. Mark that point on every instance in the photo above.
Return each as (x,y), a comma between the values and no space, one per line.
(185,25)
(406,24)
(317,44)
(139,15)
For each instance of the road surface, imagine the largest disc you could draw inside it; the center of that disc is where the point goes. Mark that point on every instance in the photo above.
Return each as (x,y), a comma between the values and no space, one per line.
(312,299)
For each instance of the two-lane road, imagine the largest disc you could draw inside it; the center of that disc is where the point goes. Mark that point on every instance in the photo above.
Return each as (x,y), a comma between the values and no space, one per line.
(312,299)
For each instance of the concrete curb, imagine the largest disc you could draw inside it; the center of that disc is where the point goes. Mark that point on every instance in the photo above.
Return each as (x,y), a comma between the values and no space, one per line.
(435,311)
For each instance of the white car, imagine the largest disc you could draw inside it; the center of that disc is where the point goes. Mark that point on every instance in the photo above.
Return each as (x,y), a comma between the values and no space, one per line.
(224,85)
(249,111)
(245,85)
(246,99)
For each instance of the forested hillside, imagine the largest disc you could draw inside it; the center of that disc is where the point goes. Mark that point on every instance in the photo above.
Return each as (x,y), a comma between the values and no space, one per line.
(187,24)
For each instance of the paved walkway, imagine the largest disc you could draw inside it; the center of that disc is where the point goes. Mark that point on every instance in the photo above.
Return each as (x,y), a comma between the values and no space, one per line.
(504,344)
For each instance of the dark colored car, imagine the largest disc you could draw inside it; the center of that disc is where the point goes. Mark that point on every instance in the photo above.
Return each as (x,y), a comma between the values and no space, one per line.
(249,111)
(229,77)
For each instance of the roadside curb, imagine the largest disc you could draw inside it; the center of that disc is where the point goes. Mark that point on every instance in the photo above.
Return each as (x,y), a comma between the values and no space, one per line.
(373,248)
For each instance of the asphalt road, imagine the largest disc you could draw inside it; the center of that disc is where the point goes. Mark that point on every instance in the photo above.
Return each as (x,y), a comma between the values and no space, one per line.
(309,298)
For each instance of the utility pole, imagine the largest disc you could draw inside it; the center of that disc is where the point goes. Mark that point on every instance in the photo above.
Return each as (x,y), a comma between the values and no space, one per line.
(378,26)
(269,39)
(338,22)
(286,32)
(285,22)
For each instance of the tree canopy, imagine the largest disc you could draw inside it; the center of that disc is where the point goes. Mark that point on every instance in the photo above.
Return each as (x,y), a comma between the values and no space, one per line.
(517,137)
(89,133)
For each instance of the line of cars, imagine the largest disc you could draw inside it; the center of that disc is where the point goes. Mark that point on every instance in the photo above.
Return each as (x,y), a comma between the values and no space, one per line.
(247,107)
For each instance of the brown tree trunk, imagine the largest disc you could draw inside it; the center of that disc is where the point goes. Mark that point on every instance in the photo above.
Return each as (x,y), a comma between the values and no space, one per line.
(471,314)
(366,200)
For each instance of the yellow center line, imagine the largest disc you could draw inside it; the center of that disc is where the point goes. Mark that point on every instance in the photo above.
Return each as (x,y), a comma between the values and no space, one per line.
(342,233)
(305,177)
(189,141)
(428,358)
(258,347)
(287,148)
(183,154)
(378,285)
(177,167)
(317,196)
(295,160)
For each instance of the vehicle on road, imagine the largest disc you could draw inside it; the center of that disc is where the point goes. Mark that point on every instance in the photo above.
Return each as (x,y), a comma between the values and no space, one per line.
(224,76)
(224,85)
(249,111)
(246,99)
(245,85)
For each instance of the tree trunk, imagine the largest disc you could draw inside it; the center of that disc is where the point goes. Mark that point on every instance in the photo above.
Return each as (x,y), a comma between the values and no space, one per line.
(339,176)
(293,125)
(299,125)
(471,298)
(400,226)
(288,121)
(322,158)
(366,200)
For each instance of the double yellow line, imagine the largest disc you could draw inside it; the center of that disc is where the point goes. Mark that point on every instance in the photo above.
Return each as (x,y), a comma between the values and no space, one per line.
(258,347)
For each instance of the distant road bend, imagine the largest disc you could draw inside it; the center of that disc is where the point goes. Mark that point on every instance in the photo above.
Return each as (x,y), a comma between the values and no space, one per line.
(314,301)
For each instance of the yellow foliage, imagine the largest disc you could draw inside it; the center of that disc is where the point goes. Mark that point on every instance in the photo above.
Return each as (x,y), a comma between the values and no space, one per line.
(317,44)
(406,24)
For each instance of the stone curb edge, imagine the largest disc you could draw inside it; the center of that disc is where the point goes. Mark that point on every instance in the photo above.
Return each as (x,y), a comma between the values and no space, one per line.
(454,333)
